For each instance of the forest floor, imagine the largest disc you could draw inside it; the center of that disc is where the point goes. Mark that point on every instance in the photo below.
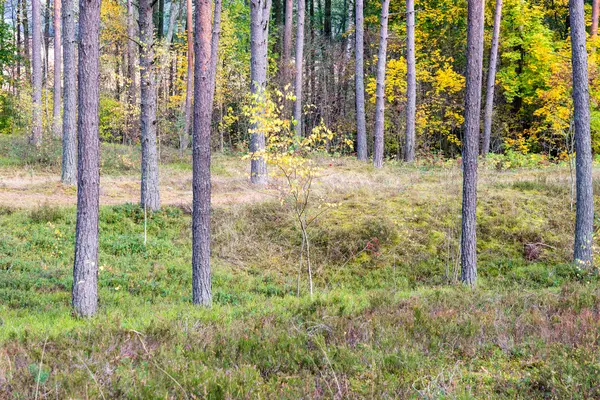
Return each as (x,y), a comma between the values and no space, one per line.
(387,320)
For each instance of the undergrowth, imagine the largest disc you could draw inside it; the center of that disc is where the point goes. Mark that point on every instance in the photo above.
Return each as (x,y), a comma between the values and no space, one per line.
(388,319)
(385,320)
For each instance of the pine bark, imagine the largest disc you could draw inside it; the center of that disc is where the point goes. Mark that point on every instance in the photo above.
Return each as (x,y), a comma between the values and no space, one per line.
(201,280)
(259,34)
(69,141)
(214,50)
(19,41)
(361,125)
(160,29)
(584,222)
(380,90)
(595,12)
(471,140)
(327,20)
(131,66)
(26,49)
(85,269)
(46,47)
(491,81)
(150,197)
(286,59)
(117,56)
(56,122)
(183,144)
(299,67)
(36,55)
(411,82)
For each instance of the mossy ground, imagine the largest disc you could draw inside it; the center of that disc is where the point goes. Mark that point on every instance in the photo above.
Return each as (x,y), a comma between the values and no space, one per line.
(388,319)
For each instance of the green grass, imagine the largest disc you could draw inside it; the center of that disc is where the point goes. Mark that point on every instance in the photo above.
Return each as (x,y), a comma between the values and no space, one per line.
(387,321)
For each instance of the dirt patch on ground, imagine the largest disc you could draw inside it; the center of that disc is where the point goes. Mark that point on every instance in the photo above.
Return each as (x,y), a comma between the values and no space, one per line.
(28,191)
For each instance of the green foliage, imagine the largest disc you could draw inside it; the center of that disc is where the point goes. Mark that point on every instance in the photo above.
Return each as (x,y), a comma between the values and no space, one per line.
(16,151)
(8,53)
(512,159)
(113,119)
(384,322)
(14,111)
(46,214)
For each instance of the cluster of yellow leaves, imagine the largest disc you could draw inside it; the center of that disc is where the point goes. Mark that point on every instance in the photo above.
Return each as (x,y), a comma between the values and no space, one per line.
(114,21)
(289,154)
(395,82)
(441,109)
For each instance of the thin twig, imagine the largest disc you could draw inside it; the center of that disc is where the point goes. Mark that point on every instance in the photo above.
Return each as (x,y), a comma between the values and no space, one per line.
(139,336)
(337,382)
(92,375)
(37,382)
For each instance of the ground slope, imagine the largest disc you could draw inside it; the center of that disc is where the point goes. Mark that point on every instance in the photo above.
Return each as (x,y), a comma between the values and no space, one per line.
(388,319)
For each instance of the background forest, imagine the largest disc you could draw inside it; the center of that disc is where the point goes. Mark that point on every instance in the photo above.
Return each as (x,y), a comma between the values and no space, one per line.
(186,210)
(532,110)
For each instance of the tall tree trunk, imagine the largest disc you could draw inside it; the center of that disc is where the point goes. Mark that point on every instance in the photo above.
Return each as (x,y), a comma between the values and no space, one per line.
(27,53)
(380,91)
(85,268)
(286,59)
(411,82)
(14,17)
(131,68)
(348,28)
(36,55)
(312,60)
(595,12)
(471,141)
(359,77)
(259,34)
(166,53)
(214,50)
(327,20)
(46,47)
(278,17)
(491,81)
(69,142)
(149,185)
(183,143)
(19,51)
(584,222)
(201,280)
(299,67)
(117,71)
(56,122)
(160,28)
